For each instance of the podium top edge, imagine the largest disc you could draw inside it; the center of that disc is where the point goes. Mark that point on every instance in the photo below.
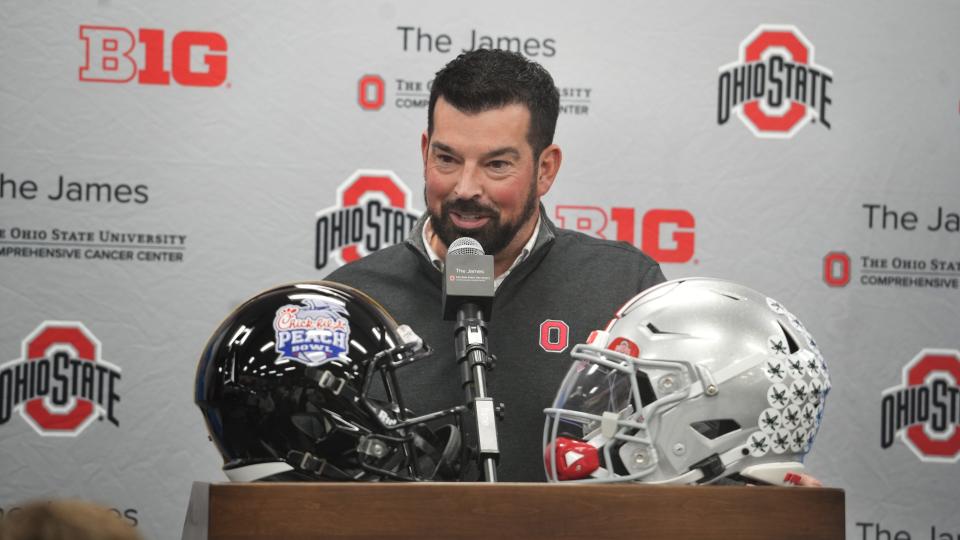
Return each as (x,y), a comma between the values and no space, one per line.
(513,486)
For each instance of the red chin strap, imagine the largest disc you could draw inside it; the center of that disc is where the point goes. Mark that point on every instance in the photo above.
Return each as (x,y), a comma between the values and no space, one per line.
(575,459)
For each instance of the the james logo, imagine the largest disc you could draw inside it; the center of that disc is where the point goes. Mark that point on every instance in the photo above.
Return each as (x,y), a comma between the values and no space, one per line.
(925,409)
(775,87)
(314,333)
(373,211)
(196,58)
(59,385)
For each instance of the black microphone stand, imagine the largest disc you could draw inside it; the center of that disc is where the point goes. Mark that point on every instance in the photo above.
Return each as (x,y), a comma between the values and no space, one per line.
(470,345)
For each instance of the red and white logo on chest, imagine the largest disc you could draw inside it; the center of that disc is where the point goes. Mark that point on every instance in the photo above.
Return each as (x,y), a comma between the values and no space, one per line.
(554,336)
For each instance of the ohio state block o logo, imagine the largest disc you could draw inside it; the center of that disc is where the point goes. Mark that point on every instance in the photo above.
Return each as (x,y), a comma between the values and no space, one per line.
(87,348)
(554,336)
(373,210)
(925,409)
(800,50)
(59,385)
(371,92)
(916,374)
(775,86)
(836,269)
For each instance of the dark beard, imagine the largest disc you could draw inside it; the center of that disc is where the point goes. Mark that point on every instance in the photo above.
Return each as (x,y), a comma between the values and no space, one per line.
(494,236)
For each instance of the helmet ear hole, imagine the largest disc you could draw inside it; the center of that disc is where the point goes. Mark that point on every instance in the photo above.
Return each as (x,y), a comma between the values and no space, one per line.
(377,391)
(616,464)
(440,450)
(791,343)
(647,395)
(310,425)
(713,429)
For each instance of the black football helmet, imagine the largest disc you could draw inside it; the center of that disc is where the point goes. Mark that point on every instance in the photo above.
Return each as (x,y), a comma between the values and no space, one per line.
(298,383)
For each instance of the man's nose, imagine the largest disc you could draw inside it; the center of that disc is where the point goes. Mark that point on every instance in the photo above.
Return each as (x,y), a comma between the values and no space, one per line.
(470,183)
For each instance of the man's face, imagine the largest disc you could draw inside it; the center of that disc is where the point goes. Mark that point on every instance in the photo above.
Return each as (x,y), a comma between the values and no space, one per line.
(480,175)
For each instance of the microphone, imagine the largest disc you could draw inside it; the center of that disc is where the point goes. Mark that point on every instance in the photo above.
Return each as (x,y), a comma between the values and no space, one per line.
(468,299)
(466,246)
(468,279)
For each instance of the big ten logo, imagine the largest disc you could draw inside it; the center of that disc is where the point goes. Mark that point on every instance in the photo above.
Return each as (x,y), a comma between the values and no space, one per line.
(667,235)
(111,54)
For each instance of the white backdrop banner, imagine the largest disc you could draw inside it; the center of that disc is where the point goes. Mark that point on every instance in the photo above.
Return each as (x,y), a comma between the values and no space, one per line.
(160,163)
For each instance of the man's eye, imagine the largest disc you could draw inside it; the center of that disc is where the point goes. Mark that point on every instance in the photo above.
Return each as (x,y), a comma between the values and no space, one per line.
(443,158)
(499,164)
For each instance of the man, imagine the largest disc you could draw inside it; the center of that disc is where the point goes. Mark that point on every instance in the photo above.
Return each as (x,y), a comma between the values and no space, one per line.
(489,158)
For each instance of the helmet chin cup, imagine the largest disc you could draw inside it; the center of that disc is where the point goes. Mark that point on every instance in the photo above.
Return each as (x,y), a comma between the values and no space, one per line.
(777,474)
(574,459)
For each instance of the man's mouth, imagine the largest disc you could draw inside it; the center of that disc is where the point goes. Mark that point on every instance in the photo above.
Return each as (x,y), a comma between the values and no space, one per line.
(468,220)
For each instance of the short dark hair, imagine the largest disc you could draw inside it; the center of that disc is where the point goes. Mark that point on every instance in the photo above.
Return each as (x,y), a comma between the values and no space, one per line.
(485,79)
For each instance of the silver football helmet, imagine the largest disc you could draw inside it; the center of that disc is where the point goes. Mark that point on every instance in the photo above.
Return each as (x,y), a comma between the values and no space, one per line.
(693,380)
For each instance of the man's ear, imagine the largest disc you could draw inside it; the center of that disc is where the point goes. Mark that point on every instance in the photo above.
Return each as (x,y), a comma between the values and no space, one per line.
(549,162)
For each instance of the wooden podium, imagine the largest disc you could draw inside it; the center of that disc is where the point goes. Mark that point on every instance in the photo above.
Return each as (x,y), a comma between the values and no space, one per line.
(521,511)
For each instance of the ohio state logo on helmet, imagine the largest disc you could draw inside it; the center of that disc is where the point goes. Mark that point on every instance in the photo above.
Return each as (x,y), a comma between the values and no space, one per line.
(775,87)
(925,410)
(60,385)
(373,211)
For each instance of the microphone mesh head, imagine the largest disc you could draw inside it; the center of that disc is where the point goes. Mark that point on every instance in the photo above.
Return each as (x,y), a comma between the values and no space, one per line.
(465,246)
